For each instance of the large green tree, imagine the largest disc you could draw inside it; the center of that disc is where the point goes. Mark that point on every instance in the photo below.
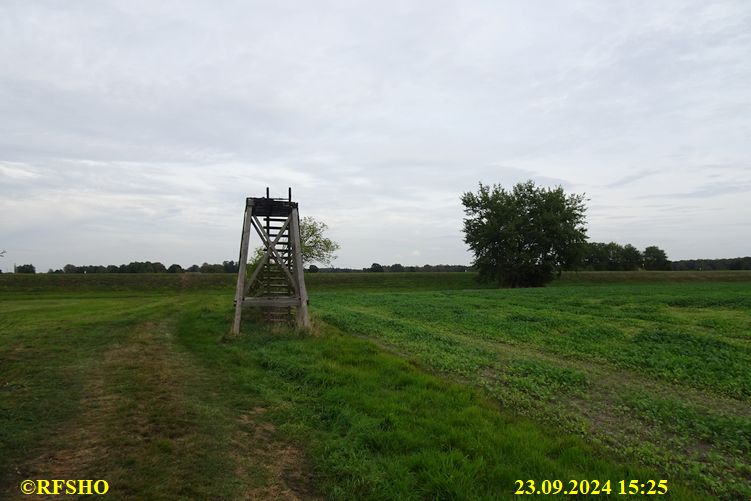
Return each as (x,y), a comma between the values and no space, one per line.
(521,237)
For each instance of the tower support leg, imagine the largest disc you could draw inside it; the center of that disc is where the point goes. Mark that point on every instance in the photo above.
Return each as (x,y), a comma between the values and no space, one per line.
(242,265)
(303,320)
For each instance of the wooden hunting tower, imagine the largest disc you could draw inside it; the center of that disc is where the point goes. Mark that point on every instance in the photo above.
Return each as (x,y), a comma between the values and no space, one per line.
(277,284)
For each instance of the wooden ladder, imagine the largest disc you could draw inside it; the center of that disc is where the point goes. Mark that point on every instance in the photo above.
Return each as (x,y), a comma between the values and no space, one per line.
(273,280)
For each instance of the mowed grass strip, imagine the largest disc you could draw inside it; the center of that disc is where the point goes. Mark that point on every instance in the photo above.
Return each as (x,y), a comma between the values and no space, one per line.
(658,374)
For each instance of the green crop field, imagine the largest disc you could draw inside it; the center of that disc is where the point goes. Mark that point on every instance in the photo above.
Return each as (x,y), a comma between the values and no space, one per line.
(410,386)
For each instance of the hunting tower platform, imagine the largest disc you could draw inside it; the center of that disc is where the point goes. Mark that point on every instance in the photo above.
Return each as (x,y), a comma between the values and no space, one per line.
(277,283)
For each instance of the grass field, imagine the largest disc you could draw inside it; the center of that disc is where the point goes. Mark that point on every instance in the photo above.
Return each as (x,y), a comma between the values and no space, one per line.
(411,386)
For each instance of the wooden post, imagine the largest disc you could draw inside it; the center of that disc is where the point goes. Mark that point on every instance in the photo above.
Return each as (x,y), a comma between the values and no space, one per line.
(303,320)
(244,243)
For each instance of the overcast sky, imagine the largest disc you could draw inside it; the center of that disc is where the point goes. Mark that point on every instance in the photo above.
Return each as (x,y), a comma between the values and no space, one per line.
(134,130)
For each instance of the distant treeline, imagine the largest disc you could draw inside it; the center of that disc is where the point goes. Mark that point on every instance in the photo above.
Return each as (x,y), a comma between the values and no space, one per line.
(232,267)
(597,257)
(611,256)
(393,268)
(147,267)
(736,263)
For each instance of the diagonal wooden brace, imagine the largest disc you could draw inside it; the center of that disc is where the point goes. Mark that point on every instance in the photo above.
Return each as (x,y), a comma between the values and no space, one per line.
(254,222)
(270,250)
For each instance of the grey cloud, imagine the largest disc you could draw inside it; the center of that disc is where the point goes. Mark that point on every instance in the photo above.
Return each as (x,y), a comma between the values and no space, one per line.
(631,178)
(708,191)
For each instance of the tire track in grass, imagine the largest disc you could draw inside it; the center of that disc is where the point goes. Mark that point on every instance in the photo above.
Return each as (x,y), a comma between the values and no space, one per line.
(284,473)
(129,416)
(151,425)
